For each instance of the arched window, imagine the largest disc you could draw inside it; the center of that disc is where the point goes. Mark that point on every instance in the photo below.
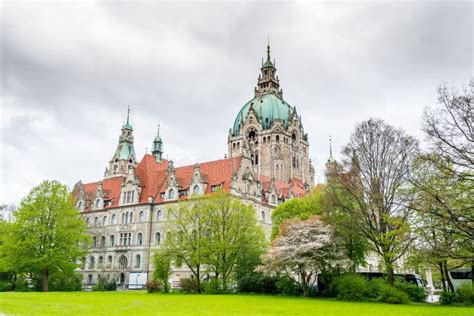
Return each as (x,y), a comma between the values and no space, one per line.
(171,194)
(96,221)
(94,242)
(109,261)
(131,217)
(293,138)
(102,241)
(112,240)
(196,189)
(88,221)
(140,239)
(157,238)
(91,263)
(123,262)
(101,262)
(97,203)
(79,204)
(123,218)
(114,219)
(141,216)
(273,199)
(159,215)
(277,138)
(137,261)
(263,216)
(104,220)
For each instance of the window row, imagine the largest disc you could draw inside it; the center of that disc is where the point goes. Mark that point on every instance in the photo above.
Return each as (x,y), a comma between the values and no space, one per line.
(122,262)
(127,217)
(125,239)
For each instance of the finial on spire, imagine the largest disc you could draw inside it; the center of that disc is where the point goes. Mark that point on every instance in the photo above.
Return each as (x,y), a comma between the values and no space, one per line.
(158,128)
(128,115)
(268,48)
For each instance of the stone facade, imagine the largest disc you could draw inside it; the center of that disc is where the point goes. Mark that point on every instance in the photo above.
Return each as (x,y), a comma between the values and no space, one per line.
(268,163)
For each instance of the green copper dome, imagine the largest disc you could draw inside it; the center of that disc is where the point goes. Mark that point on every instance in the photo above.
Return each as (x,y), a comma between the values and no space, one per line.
(268,108)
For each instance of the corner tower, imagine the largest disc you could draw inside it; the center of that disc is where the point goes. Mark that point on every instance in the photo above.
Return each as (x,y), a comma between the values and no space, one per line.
(269,132)
(124,156)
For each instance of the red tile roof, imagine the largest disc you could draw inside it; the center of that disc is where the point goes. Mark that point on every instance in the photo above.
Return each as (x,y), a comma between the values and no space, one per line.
(154,176)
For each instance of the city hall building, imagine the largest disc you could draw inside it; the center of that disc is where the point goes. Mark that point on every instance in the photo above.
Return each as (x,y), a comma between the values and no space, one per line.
(267,163)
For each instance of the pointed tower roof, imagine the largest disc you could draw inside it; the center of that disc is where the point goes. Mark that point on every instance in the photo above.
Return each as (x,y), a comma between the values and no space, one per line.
(268,63)
(128,125)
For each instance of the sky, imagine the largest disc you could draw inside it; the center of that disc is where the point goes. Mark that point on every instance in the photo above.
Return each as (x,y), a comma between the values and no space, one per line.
(69,70)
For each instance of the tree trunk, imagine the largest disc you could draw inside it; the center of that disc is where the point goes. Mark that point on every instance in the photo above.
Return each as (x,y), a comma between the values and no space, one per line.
(45,280)
(448,279)
(443,279)
(198,277)
(472,273)
(390,273)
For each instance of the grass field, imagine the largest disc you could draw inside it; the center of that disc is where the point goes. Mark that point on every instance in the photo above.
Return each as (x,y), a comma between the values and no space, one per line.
(141,303)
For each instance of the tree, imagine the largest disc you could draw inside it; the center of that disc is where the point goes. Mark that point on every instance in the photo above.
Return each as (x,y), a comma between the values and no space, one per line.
(48,234)
(354,244)
(375,177)
(217,232)
(301,250)
(188,236)
(301,208)
(446,175)
(162,267)
(234,235)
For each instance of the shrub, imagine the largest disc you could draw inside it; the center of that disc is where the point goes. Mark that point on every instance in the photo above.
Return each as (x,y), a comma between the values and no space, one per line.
(288,287)
(415,293)
(248,284)
(392,295)
(258,283)
(153,286)
(189,285)
(212,286)
(267,285)
(466,295)
(350,287)
(111,286)
(448,298)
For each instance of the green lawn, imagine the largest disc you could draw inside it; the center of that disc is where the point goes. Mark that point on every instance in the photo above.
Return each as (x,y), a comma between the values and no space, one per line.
(141,303)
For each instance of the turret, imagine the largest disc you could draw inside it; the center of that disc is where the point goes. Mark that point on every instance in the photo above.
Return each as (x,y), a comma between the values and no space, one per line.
(158,146)
(124,156)
(267,82)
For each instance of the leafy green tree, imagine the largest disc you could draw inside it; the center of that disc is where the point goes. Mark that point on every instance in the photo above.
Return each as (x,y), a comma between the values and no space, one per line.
(377,163)
(48,234)
(300,208)
(162,268)
(234,235)
(353,242)
(187,238)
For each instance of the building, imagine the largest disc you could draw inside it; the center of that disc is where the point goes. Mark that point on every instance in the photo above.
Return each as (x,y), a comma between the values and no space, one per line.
(267,163)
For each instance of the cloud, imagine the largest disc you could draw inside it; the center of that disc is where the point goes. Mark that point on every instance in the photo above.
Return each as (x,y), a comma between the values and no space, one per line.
(69,71)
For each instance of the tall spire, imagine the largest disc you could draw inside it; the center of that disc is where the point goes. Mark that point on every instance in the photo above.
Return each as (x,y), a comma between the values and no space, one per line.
(128,115)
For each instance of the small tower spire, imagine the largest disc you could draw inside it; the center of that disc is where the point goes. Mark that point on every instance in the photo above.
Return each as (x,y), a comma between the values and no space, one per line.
(158,146)
(330,146)
(128,115)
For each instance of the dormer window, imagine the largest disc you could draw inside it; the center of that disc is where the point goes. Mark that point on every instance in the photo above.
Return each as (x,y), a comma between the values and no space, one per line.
(215,188)
(97,203)
(183,192)
(171,194)
(196,189)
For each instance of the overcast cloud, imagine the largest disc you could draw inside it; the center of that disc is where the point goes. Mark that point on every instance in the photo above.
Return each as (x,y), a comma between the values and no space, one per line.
(69,71)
